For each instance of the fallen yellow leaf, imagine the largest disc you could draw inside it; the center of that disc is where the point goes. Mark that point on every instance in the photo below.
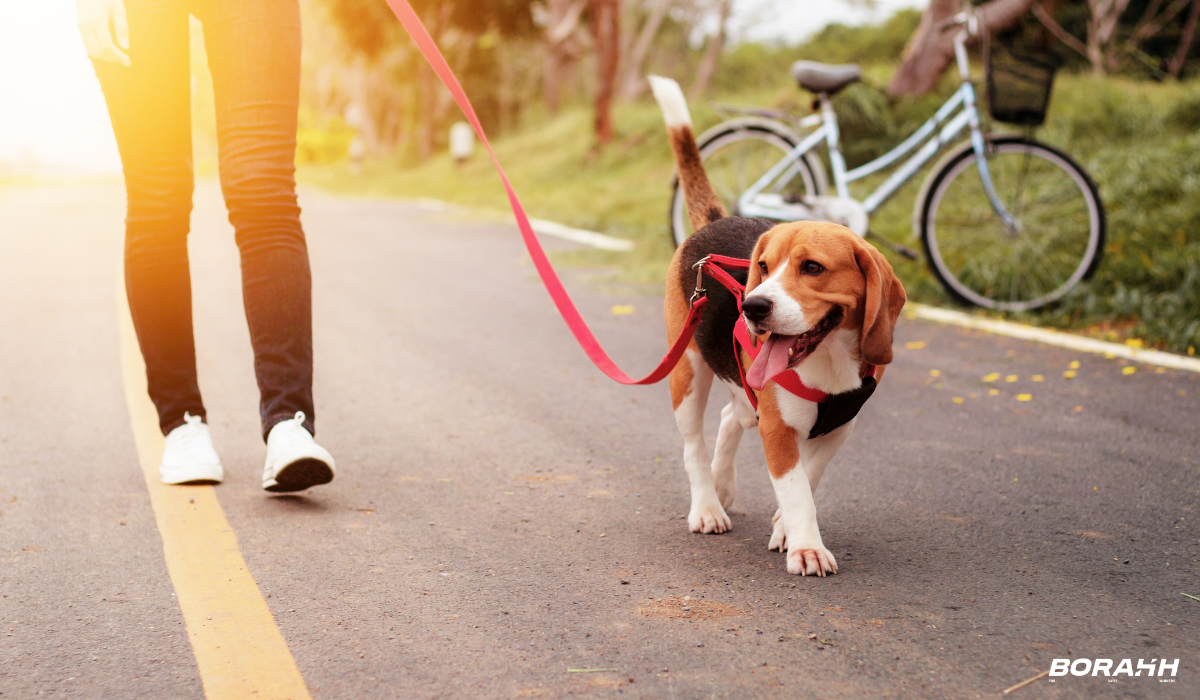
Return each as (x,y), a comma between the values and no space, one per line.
(1134,342)
(914,344)
(1011,378)
(1073,364)
(993,392)
(957,399)
(1038,378)
(1024,397)
(1129,370)
(991,377)
(935,373)
(622,310)
(1070,374)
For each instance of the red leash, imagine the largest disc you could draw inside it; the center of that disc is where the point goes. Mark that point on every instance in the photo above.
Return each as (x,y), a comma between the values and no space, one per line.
(562,300)
(566,307)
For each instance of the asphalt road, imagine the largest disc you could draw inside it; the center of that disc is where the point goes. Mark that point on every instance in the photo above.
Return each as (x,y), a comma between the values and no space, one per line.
(503,513)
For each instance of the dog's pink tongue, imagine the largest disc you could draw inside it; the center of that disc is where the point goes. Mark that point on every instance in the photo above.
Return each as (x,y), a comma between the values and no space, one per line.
(771,360)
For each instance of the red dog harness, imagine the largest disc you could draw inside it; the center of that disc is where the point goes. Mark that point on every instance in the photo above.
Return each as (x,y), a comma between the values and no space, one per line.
(789,380)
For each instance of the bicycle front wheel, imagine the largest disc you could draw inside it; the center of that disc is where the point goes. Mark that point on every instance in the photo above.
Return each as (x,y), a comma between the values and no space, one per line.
(735,155)
(1057,241)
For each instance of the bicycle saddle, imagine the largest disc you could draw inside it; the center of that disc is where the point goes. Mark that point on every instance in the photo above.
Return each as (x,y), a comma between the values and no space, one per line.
(821,77)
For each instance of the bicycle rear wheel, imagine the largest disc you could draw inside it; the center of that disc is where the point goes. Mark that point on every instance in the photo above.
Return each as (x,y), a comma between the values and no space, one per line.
(735,155)
(1057,243)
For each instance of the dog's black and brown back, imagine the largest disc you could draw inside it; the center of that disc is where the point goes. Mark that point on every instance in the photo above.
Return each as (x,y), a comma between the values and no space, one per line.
(716,234)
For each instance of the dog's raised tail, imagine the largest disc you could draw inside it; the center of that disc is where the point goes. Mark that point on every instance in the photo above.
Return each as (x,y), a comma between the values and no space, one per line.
(703,205)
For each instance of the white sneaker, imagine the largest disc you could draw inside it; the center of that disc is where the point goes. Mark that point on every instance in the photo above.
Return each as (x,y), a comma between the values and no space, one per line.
(189,457)
(294,461)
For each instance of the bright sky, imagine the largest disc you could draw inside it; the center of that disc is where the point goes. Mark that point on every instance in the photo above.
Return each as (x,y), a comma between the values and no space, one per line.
(51,108)
(52,112)
(794,20)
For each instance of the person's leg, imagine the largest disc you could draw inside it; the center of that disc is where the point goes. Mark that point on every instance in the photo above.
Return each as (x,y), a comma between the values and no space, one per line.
(254,54)
(149,103)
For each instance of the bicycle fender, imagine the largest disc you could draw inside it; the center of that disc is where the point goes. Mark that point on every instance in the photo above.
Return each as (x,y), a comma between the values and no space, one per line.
(751,123)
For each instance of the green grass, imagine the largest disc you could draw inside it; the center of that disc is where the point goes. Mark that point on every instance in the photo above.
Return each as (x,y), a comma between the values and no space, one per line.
(1138,141)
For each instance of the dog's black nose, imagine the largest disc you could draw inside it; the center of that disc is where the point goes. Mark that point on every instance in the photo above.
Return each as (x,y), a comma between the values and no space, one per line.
(756,308)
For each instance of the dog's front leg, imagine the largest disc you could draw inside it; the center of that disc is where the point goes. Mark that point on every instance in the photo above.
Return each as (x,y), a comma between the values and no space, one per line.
(706,515)
(796,466)
(798,510)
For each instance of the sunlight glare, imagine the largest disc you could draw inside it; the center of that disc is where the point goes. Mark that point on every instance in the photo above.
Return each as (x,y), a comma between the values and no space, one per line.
(53,119)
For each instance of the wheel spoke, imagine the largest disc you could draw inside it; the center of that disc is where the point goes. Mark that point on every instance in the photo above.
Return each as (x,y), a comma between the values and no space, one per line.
(980,258)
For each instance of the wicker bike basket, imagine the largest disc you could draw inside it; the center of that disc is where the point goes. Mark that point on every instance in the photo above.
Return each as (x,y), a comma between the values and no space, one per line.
(1018,85)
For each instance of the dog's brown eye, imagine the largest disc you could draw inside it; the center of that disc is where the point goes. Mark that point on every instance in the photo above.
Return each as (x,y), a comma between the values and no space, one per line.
(811,267)
(762,267)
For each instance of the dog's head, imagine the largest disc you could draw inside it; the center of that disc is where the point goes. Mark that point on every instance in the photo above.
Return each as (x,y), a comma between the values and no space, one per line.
(809,278)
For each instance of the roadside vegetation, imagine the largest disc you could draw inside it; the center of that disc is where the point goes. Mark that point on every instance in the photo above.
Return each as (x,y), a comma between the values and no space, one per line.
(1139,140)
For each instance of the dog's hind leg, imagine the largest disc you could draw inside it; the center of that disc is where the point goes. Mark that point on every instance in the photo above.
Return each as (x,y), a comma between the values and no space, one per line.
(736,418)
(691,381)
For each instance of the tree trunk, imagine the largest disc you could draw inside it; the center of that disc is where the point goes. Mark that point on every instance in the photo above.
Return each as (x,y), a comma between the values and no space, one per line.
(633,85)
(1185,42)
(1047,20)
(931,50)
(430,109)
(1102,27)
(708,67)
(606,32)
(563,21)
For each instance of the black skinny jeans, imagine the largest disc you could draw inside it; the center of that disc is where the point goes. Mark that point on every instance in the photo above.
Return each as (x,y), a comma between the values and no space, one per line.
(253,51)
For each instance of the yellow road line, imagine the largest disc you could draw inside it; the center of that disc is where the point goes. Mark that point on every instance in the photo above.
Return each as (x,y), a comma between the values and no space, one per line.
(237,644)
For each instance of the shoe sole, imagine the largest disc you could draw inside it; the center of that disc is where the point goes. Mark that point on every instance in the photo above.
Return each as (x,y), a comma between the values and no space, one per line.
(300,475)
(190,476)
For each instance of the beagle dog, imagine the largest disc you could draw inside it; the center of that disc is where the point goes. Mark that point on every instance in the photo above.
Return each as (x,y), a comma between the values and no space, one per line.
(821,302)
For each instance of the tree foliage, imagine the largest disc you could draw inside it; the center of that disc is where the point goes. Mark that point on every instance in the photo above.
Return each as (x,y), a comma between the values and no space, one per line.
(369,26)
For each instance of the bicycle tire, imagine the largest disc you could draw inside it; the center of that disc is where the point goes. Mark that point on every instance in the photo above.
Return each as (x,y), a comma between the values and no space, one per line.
(809,168)
(962,269)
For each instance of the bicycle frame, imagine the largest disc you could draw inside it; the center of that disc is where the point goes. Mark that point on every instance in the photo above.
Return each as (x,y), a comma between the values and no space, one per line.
(941,129)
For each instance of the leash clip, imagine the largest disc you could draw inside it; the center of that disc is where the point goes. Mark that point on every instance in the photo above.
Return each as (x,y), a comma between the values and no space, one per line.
(699,268)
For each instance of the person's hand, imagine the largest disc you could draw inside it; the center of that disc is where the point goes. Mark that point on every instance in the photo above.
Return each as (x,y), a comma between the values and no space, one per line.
(99,20)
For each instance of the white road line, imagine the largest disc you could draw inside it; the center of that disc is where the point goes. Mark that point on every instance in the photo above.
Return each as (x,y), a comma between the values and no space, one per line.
(596,240)
(1053,337)
(547,228)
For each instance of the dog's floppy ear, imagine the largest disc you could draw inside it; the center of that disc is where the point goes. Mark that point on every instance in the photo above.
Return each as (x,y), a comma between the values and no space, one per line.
(882,302)
(753,277)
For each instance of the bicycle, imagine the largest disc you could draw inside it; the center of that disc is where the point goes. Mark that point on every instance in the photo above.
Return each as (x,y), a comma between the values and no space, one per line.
(1018,236)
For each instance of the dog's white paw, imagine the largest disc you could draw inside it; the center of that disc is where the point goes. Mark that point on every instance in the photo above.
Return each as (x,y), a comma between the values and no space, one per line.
(709,519)
(778,534)
(809,561)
